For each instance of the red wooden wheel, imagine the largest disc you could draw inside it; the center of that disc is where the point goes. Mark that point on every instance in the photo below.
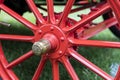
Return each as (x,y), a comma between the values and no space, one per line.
(55,38)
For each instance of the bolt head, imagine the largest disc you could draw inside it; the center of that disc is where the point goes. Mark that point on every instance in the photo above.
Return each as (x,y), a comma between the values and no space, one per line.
(60,52)
(62,38)
(40,31)
(52,28)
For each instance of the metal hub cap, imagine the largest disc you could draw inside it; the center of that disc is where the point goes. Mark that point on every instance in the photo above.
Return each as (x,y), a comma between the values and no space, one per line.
(41,47)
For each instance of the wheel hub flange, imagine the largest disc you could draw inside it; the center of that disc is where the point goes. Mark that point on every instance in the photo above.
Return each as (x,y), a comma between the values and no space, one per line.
(50,39)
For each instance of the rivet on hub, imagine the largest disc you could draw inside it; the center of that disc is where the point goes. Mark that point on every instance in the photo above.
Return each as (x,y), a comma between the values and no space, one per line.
(62,38)
(40,31)
(52,28)
(60,52)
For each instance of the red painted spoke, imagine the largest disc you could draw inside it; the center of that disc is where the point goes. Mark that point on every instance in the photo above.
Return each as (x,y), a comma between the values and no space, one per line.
(35,11)
(88,18)
(90,32)
(18,17)
(95,43)
(20,59)
(55,70)
(16,37)
(89,65)
(51,16)
(40,68)
(69,68)
(66,12)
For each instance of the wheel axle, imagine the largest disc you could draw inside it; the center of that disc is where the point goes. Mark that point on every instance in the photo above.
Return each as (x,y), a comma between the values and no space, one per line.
(41,47)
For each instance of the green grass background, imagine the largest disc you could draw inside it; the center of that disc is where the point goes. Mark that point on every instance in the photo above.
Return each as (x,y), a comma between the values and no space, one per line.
(102,57)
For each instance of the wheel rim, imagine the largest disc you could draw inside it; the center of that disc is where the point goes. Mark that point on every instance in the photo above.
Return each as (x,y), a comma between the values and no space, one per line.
(61,38)
(115,28)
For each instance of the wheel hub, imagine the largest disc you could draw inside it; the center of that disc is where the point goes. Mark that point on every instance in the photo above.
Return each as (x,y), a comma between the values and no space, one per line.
(50,39)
